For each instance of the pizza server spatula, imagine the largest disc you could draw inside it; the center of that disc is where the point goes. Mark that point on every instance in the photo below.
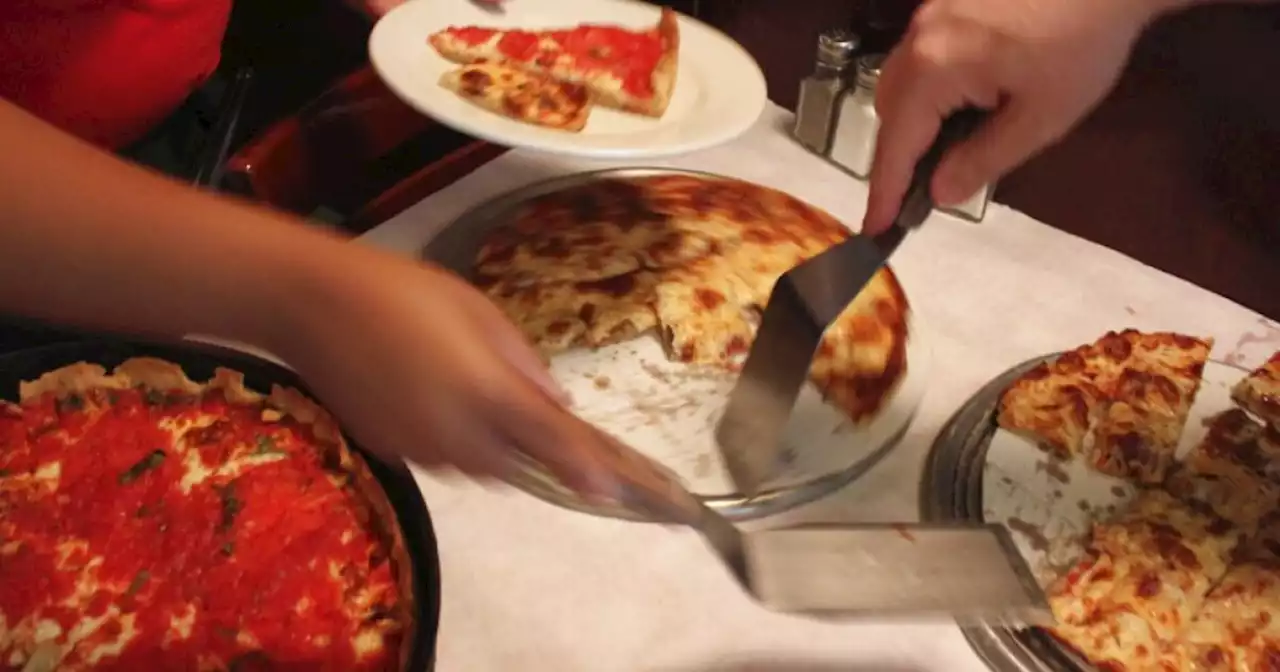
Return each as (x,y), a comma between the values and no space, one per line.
(969,573)
(802,305)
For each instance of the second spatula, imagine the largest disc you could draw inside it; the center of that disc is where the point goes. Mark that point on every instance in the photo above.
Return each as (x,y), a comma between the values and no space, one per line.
(970,573)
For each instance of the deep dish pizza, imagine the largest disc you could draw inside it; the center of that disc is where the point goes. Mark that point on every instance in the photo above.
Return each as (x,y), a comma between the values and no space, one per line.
(151,522)
(1187,577)
(629,70)
(1119,403)
(692,259)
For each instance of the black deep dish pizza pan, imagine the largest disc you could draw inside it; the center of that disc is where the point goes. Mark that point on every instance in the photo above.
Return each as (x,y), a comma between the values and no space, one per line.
(199,362)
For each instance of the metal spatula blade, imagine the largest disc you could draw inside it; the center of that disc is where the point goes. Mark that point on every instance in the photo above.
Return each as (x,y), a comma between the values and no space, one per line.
(966,572)
(803,304)
(970,573)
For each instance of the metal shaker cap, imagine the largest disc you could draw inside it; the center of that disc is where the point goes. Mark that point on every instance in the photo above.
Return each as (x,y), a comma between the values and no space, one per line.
(836,47)
(868,70)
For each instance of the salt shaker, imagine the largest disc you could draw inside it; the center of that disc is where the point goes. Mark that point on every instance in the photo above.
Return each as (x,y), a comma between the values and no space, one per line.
(854,142)
(975,208)
(820,92)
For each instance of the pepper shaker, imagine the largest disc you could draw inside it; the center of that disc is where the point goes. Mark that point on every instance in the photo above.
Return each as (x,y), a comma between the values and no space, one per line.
(975,208)
(854,142)
(820,92)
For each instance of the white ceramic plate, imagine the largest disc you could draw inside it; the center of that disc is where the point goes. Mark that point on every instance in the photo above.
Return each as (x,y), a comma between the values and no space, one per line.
(719,94)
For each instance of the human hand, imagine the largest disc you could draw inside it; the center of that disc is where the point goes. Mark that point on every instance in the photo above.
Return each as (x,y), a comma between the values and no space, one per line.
(1039,65)
(416,363)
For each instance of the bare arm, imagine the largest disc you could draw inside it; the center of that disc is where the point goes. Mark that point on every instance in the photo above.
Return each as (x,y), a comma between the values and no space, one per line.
(86,239)
(92,241)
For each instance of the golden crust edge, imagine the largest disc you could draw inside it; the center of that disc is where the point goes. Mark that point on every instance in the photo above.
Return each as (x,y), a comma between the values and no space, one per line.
(159,374)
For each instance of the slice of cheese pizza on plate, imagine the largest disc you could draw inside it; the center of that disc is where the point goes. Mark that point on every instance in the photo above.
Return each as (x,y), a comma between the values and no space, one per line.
(525,96)
(632,70)
(1259,393)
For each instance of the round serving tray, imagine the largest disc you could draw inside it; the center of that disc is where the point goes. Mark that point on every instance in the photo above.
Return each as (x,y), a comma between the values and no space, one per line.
(455,248)
(952,490)
(199,362)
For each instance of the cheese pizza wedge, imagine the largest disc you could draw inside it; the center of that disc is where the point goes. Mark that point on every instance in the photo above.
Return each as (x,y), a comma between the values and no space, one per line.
(631,70)
(1142,580)
(1053,404)
(1121,402)
(521,95)
(1148,401)
(1237,628)
(1259,393)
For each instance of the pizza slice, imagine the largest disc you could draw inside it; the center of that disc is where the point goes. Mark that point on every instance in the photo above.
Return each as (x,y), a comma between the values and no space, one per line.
(1143,578)
(701,309)
(1236,628)
(1259,393)
(1137,435)
(1234,471)
(522,95)
(559,316)
(1053,404)
(863,354)
(631,70)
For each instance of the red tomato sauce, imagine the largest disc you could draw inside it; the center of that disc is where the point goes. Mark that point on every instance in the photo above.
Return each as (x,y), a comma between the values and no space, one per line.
(241,551)
(630,56)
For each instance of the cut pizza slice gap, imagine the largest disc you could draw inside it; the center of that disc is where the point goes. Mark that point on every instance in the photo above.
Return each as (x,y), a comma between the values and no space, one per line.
(1259,392)
(1232,471)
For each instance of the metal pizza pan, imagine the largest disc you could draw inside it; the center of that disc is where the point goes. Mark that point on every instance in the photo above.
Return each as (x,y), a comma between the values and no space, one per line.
(199,362)
(976,472)
(669,412)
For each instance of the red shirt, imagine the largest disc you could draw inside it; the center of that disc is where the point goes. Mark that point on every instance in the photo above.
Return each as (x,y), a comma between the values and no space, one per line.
(107,70)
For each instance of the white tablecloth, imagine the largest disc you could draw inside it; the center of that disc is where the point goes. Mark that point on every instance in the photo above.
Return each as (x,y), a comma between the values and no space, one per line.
(530,587)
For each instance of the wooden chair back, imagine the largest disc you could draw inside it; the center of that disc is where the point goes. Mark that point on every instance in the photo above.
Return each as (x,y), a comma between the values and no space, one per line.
(355,149)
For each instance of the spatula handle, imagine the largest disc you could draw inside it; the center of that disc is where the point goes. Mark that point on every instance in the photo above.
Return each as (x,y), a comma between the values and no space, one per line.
(955,129)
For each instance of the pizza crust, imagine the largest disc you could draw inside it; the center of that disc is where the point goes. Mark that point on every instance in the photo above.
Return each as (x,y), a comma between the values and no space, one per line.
(663,80)
(161,375)
(696,257)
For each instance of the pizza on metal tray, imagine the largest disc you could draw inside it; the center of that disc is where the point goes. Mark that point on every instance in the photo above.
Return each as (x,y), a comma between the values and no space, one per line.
(1187,577)
(151,522)
(693,258)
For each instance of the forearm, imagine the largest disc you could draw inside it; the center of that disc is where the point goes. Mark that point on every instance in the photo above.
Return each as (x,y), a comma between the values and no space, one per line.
(88,240)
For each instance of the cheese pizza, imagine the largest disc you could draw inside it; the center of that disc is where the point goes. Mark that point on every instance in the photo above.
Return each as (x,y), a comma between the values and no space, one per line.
(694,259)
(151,522)
(1260,392)
(1187,577)
(521,95)
(630,70)
(1120,403)
(1142,579)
